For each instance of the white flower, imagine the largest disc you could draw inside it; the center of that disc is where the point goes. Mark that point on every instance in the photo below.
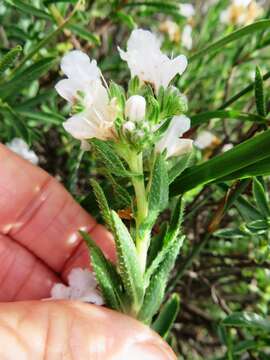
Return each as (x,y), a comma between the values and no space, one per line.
(172,29)
(135,108)
(241,12)
(84,90)
(82,286)
(146,60)
(187,10)
(186,37)
(204,140)
(170,140)
(20,147)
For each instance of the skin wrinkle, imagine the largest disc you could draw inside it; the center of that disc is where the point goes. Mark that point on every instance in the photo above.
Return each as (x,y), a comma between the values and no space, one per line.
(3,278)
(24,282)
(12,333)
(62,330)
(15,254)
(47,336)
(31,208)
(55,219)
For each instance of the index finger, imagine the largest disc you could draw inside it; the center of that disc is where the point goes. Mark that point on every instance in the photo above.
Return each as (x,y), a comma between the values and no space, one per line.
(37,212)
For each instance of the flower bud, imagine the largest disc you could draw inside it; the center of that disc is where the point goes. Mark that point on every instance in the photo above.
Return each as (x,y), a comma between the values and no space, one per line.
(129,126)
(135,108)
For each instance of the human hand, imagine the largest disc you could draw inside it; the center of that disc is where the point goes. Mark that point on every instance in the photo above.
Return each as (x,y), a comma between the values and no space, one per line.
(39,245)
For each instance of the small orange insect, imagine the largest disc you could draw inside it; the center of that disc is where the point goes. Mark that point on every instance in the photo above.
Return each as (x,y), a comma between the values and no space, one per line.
(125,214)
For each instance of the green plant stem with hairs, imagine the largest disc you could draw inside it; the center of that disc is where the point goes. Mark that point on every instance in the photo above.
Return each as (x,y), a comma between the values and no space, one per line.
(135,162)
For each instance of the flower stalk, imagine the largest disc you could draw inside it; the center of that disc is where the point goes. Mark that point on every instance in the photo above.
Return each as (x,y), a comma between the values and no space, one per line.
(142,237)
(128,131)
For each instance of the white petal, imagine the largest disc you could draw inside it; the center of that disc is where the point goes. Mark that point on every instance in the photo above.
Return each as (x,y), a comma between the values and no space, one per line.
(204,139)
(82,279)
(20,147)
(93,297)
(129,126)
(173,67)
(182,146)
(143,40)
(187,10)
(244,3)
(179,125)
(225,16)
(135,108)
(77,65)
(146,60)
(186,37)
(60,291)
(79,127)
(67,89)
(170,140)
(122,53)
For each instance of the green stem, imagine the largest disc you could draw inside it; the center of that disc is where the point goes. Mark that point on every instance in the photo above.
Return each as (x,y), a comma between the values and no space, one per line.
(142,237)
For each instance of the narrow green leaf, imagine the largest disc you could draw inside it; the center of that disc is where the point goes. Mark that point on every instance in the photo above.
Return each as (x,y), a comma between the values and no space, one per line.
(15,120)
(43,117)
(261,198)
(167,316)
(155,291)
(102,203)
(22,79)
(245,154)
(128,264)
(243,92)
(260,168)
(247,210)
(247,320)
(125,19)
(106,275)
(168,241)
(156,243)
(29,9)
(180,165)
(111,161)
(230,234)
(48,2)
(159,182)
(235,35)
(8,59)
(85,34)
(121,195)
(204,117)
(258,226)
(259,93)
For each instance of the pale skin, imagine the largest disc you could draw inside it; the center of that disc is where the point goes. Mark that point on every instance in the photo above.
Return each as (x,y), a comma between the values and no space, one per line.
(39,245)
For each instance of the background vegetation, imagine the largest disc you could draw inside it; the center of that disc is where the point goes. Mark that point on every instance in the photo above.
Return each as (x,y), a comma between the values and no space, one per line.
(223,273)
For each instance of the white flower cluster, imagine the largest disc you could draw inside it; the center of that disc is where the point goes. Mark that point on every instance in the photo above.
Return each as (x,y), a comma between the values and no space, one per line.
(83,88)
(82,286)
(96,112)
(20,147)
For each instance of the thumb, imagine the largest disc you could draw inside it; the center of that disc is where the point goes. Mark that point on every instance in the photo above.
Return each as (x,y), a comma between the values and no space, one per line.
(72,330)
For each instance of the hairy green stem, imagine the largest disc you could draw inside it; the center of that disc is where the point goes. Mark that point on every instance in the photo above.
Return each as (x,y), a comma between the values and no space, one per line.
(142,237)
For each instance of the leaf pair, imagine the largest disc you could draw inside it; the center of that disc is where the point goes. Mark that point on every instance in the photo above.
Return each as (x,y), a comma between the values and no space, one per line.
(157,274)
(128,276)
